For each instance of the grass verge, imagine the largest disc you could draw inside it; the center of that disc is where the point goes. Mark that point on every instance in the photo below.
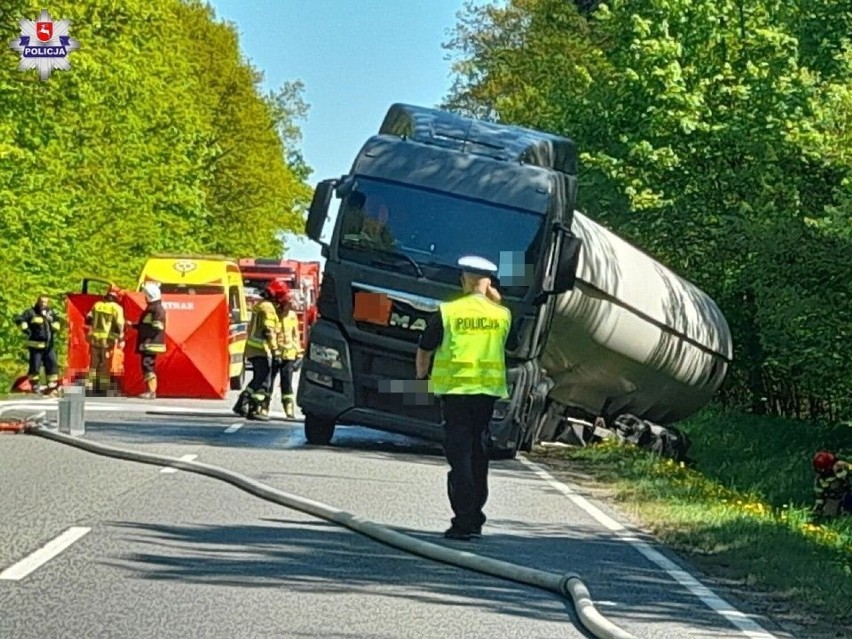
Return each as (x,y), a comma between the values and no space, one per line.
(741,513)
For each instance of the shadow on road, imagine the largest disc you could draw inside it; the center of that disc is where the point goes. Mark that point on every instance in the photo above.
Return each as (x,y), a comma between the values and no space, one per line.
(322,558)
(365,442)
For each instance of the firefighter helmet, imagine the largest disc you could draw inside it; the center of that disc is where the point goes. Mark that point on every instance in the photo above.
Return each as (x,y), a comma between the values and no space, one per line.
(278,291)
(152,291)
(824,461)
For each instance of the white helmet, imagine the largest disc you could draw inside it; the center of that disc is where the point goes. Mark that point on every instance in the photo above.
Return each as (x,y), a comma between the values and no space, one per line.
(152,291)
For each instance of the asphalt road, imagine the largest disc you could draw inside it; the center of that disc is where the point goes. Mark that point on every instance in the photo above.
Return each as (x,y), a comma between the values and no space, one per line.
(175,554)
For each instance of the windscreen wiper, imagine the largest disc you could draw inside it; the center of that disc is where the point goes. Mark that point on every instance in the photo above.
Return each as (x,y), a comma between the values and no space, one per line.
(408,258)
(383,251)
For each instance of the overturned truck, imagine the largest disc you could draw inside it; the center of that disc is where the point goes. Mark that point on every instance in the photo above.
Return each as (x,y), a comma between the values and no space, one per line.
(602,332)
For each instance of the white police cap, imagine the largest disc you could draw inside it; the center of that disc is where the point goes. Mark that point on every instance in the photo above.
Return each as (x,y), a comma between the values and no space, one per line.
(478,265)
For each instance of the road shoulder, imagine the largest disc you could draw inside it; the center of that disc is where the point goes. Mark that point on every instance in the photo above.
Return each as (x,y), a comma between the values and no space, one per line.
(777,613)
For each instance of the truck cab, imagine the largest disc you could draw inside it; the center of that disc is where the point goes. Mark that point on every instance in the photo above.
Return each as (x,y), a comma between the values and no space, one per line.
(428,189)
(207,275)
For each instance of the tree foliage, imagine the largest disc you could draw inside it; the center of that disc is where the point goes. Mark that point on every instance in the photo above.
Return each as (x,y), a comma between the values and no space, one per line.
(715,134)
(158,138)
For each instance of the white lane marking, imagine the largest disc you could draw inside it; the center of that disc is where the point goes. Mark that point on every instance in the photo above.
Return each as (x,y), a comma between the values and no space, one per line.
(169,469)
(746,625)
(233,428)
(43,554)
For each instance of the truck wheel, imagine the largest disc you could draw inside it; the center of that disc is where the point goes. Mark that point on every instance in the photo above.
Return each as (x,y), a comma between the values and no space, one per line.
(318,430)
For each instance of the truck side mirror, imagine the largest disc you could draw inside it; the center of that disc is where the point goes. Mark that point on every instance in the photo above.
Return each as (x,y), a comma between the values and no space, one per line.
(567,262)
(318,212)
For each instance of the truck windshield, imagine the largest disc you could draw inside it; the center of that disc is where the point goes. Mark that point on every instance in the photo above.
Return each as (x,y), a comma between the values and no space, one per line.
(379,220)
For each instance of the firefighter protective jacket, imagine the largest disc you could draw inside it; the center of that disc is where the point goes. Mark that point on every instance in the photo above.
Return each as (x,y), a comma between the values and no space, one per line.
(106,320)
(40,326)
(832,486)
(263,331)
(152,330)
(291,342)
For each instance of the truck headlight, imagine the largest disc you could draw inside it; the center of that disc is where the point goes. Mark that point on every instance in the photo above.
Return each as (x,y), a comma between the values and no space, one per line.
(319,378)
(326,355)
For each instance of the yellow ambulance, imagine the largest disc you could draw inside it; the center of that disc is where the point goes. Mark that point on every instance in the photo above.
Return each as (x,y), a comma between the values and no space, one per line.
(207,275)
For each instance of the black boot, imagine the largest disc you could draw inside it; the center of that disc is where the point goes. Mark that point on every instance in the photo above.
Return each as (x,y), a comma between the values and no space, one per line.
(241,407)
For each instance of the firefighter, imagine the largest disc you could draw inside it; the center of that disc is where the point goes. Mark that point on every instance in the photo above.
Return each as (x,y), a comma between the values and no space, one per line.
(263,351)
(106,331)
(291,351)
(832,486)
(151,337)
(40,324)
(468,339)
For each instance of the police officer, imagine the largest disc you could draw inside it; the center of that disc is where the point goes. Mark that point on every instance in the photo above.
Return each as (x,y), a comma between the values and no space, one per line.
(467,338)
(106,331)
(40,324)
(263,351)
(151,337)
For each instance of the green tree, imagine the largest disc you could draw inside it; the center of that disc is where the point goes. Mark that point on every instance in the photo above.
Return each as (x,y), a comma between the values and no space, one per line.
(152,141)
(713,134)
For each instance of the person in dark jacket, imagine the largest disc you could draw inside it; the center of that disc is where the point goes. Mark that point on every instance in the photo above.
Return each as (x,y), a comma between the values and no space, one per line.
(41,324)
(151,339)
(832,486)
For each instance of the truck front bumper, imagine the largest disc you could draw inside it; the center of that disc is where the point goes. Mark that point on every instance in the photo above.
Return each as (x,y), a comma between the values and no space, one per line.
(326,390)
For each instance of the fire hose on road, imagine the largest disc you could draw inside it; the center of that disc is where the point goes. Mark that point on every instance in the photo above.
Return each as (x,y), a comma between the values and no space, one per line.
(568,585)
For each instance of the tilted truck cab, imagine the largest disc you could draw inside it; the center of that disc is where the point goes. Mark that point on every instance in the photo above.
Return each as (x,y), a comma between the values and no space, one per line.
(207,275)
(432,187)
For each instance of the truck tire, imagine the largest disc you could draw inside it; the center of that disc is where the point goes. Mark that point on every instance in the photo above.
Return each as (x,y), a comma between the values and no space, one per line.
(318,430)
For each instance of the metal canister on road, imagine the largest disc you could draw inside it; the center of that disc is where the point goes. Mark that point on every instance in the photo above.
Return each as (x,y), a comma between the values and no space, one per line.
(72,416)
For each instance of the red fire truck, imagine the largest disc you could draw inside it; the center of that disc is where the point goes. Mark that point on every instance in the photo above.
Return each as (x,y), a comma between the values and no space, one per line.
(302,277)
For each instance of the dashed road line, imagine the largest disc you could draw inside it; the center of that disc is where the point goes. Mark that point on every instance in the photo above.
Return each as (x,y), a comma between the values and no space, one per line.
(739,620)
(169,469)
(44,554)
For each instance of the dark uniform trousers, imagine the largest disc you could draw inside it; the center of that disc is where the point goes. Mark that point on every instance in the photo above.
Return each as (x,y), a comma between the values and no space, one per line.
(467,439)
(43,357)
(261,374)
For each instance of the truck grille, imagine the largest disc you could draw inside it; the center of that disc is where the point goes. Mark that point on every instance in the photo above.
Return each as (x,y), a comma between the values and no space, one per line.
(396,404)
(376,365)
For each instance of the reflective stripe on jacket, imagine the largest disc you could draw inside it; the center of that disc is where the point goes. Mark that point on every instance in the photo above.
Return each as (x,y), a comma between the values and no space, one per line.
(834,485)
(107,322)
(263,330)
(152,329)
(472,357)
(40,327)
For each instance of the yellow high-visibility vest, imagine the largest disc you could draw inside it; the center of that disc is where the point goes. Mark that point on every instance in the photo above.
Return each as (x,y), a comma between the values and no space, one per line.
(472,358)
